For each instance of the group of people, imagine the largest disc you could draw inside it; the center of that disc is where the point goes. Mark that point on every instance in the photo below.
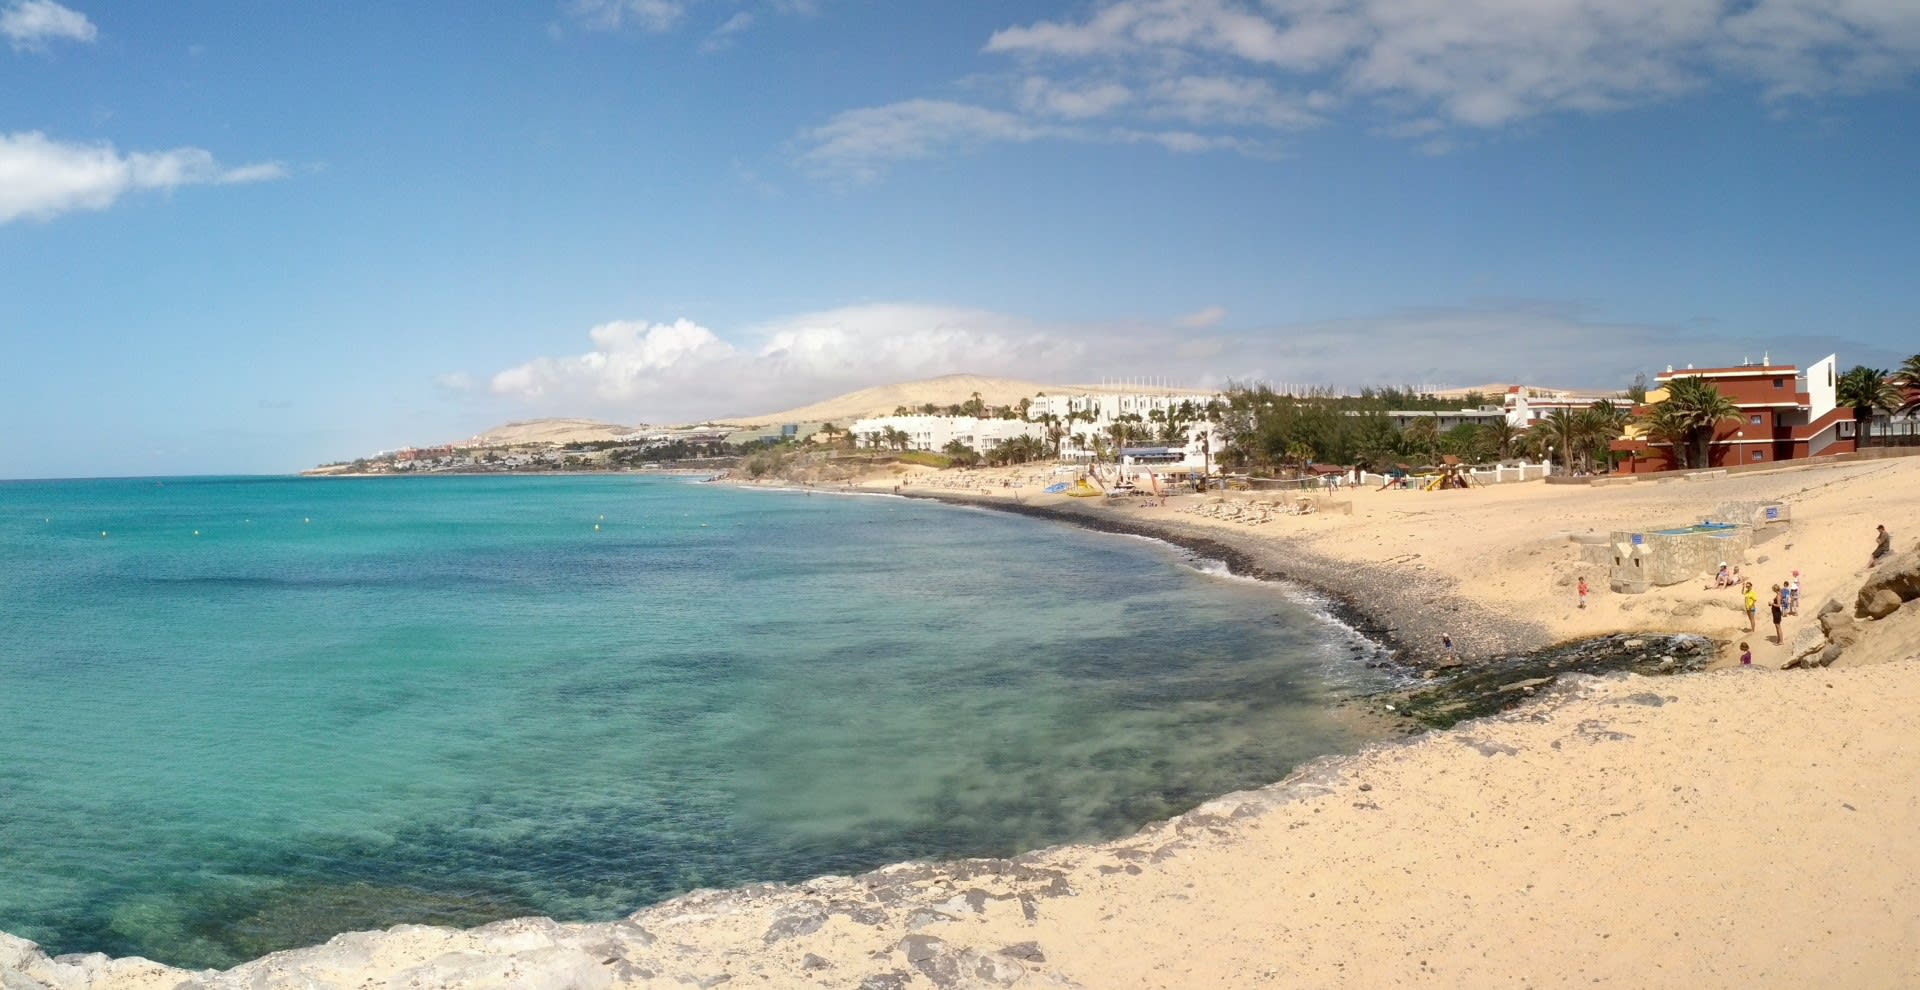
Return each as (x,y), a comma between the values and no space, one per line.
(1785,602)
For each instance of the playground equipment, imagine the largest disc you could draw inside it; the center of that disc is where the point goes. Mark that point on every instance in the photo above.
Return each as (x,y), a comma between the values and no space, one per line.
(1453,474)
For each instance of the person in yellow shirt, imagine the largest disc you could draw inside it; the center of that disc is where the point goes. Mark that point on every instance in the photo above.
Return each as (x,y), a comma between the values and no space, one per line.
(1752,603)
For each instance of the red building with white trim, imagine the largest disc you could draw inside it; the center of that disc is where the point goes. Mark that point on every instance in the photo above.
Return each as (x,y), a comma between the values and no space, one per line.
(1785,415)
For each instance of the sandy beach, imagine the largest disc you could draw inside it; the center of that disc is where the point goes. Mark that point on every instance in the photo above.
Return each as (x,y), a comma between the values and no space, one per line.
(1746,826)
(1497,568)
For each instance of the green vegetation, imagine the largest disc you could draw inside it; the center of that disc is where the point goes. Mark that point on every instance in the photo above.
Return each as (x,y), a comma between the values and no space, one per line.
(1908,378)
(1865,390)
(925,458)
(1689,418)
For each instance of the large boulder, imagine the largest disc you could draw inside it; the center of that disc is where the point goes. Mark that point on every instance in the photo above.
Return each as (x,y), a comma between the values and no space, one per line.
(1896,580)
(1882,603)
(1840,627)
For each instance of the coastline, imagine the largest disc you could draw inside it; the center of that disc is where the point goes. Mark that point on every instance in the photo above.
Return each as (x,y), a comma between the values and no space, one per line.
(1398,612)
(1562,817)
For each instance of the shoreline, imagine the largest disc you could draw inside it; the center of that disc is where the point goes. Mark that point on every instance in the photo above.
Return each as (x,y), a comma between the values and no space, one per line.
(1386,607)
(1603,794)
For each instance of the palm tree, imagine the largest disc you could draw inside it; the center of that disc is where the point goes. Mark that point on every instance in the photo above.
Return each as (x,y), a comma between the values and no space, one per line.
(1666,424)
(1601,422)
(1500,437)
(1300,453)
(1703,408)
(1422,438)
(1908,378)
(1867,389)
(1562,431)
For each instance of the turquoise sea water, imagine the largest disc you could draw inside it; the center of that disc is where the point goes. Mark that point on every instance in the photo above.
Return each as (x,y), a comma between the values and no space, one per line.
(258,712)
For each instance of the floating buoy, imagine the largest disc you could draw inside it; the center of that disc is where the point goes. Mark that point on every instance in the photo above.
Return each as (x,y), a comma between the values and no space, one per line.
(596,527)
(196,532)
(603,517)
(308,521)
(103,534)
(703,525)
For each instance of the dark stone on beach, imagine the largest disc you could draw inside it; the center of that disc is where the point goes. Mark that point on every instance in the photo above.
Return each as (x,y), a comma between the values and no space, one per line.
(804,921)
(859,913)
(1494,686)
(933,958)
(894,980)
(1025,952)
(811,961)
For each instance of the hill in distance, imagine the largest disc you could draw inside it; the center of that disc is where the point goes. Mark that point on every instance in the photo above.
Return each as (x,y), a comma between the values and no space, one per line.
(552,431)
(947,390)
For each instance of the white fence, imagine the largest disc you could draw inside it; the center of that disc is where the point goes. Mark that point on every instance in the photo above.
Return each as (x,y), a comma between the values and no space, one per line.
(1486,476)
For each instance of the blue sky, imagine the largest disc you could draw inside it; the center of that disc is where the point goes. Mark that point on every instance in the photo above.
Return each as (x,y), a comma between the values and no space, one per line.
(252,237)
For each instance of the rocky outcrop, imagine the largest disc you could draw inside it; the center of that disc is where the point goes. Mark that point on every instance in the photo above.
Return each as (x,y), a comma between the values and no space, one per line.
(1896,581)
(1874,615)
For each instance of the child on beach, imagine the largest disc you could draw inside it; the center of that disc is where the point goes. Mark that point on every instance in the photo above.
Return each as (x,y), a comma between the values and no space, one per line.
(1793,594)
(1752,602)
(1583,592)
(1746,655)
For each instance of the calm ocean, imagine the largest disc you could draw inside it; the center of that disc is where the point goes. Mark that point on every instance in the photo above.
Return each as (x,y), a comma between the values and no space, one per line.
(257,712)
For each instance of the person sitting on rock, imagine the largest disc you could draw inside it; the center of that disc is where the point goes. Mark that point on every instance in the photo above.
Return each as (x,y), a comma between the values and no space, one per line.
(1721,579)
(1882,546)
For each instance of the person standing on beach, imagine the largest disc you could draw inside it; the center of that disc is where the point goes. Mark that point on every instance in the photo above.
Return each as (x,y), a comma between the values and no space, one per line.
(1793,594)
(1583,592)
(1777,606)
(1752,603)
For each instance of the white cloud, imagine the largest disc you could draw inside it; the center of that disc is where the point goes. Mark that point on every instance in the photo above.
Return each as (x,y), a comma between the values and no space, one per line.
(722,36)
(656,16)
(30,24)
(1202,319)
(861,142)
(1231,74)
(682,371)
(42,178)
(629,360)
(1041,95)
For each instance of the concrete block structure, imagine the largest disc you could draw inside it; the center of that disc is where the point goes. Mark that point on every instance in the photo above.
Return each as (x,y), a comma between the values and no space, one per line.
(1642,561)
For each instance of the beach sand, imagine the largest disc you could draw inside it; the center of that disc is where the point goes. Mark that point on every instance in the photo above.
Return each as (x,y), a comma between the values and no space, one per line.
(1497,567)
(1745,827)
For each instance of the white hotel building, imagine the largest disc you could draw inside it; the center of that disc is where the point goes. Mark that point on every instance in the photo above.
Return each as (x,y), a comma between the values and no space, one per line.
(933,433)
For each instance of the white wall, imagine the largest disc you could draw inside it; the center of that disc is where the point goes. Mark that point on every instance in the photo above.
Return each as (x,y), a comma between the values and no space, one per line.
(1822,387)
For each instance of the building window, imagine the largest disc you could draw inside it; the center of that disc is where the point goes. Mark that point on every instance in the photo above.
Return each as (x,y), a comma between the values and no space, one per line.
(1754,419)
(1846,428)
(1759,455)
(1779,383)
